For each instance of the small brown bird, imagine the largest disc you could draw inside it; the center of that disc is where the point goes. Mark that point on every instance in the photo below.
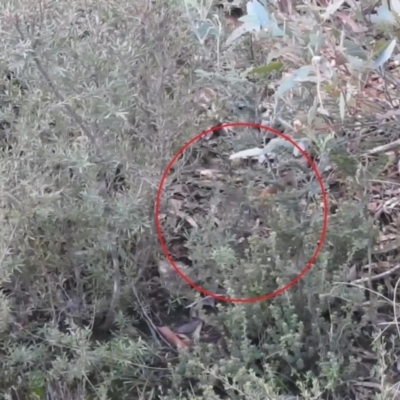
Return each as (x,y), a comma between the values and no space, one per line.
(285,182)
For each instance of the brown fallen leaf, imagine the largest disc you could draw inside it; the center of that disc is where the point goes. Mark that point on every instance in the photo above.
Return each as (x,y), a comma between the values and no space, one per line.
(172,338)
(184,339)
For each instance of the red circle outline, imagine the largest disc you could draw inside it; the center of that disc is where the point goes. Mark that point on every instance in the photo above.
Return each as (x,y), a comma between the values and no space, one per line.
(161,238)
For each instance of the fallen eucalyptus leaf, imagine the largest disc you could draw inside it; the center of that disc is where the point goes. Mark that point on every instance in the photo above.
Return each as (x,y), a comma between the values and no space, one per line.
(255,152)
(270,148)
(172,338)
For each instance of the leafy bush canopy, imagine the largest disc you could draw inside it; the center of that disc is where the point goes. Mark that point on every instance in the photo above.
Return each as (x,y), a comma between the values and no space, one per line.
(96,97)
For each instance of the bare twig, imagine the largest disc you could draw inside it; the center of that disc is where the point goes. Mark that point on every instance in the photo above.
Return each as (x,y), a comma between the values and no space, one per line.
(385,147)
(156,333)
(115,296)
(379,276)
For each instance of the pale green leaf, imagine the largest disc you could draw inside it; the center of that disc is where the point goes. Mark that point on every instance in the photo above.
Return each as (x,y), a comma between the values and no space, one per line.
(267,69)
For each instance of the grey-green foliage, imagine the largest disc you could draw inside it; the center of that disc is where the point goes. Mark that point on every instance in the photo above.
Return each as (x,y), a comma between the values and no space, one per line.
(73,244)
(105,88)
(306,333)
